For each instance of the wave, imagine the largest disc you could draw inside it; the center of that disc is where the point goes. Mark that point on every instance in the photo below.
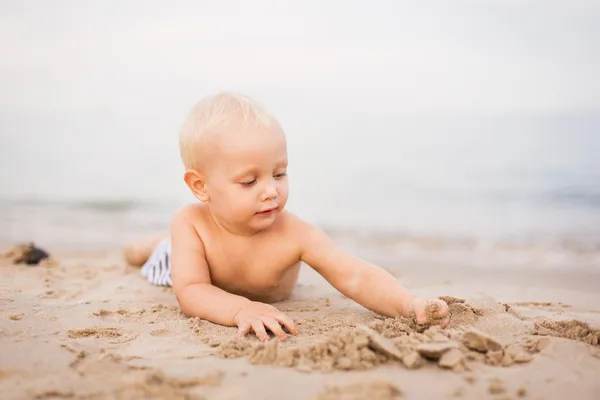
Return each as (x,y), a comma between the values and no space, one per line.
(575,198)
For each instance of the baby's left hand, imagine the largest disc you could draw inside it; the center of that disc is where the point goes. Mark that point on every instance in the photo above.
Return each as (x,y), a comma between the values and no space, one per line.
(428,311)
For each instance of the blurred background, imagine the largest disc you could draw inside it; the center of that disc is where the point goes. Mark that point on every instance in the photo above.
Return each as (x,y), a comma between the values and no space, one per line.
(454,130)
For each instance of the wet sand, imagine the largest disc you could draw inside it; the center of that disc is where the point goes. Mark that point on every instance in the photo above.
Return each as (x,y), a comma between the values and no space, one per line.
(90,327)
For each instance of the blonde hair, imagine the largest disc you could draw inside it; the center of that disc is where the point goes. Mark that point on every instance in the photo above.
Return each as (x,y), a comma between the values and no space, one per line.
(214,113)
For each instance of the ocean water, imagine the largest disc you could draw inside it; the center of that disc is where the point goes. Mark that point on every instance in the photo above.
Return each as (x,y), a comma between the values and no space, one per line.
(97,179)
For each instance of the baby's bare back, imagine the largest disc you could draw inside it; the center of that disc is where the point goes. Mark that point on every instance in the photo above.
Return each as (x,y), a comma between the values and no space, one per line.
(263,267)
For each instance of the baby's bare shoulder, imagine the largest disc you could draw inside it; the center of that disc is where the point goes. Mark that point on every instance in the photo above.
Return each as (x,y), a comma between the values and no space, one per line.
(193,214)
(293,226)
(304,233)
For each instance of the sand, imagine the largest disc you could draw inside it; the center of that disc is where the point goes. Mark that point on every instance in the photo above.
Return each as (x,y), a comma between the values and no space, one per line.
(87,326)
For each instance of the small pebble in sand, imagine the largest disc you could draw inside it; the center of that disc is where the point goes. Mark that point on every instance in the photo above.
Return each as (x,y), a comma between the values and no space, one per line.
(16,317)
(27,254)
(521,392)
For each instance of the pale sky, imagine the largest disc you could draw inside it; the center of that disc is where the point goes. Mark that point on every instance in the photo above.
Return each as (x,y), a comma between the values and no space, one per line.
(436,56)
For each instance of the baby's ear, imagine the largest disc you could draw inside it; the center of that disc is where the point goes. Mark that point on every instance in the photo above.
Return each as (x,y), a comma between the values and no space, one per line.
(195,182)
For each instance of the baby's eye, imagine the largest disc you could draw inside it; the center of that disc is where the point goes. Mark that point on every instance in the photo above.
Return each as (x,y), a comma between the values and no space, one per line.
(281,175)
(249,183)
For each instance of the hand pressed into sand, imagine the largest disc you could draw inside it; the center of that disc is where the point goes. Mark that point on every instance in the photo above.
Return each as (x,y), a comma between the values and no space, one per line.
(259,317)
(427,311)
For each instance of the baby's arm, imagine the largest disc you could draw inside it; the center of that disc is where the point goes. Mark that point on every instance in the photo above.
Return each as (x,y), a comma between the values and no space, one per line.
(367,284)
(191,278)
(196,295)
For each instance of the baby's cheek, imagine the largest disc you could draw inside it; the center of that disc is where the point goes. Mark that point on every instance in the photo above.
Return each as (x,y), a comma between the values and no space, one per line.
(283,196)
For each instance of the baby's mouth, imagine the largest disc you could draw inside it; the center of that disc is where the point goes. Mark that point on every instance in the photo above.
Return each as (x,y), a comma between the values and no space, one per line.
(267,211)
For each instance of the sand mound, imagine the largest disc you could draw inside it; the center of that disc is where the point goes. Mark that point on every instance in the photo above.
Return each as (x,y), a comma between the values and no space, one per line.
(393,340)
(361,344)
(467,312)
(571,329)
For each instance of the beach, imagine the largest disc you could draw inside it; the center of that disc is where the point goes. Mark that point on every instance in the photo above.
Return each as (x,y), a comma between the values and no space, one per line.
(514,243)
(454,146)
(85,325)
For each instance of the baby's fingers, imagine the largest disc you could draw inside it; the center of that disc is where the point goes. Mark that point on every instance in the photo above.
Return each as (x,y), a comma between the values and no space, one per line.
(433,312)
(421,316)
(287,322)
(274,327)
(259,330)
(442,310)
(445,322)
(244,328)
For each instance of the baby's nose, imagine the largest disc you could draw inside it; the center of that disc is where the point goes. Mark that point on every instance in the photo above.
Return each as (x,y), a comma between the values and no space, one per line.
(270,191)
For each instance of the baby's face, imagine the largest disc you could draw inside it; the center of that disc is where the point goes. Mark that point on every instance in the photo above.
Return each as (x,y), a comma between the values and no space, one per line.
(247,180)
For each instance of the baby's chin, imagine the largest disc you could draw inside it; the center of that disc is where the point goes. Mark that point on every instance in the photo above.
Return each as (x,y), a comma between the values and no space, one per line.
(264,220)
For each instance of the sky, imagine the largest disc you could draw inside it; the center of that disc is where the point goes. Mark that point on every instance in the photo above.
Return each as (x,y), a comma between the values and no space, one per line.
(92,94)
(142,57)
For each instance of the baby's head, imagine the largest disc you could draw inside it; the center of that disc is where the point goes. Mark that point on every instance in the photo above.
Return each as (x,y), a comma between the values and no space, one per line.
(235,155)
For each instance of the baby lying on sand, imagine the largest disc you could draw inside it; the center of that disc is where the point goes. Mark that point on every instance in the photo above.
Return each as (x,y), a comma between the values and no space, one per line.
(237,250)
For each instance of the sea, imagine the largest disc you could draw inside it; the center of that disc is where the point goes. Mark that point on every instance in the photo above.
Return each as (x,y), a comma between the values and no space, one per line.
(93,180)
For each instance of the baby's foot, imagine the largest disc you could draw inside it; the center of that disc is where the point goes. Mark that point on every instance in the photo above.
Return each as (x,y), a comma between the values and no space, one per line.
(428,311)
(137,252)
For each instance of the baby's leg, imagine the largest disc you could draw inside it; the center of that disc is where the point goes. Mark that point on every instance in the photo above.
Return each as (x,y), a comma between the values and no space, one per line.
(136,253)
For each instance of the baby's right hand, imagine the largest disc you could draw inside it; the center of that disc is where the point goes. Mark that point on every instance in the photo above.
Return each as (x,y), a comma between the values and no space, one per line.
(259,316)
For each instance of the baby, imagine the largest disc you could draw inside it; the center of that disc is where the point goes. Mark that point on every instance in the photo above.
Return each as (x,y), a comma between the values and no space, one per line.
(237,250)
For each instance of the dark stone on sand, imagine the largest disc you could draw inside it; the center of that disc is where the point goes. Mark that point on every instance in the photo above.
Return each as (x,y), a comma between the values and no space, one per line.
(27,254)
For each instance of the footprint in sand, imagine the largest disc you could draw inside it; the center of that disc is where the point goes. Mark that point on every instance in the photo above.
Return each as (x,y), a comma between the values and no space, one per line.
(112,335)
(151,315)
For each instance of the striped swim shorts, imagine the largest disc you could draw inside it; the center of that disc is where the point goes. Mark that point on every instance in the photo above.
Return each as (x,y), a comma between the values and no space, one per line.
(157,269)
